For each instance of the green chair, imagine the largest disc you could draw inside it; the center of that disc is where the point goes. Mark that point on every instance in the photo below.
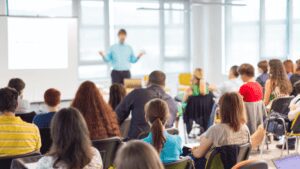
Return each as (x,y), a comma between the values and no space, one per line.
(184,163)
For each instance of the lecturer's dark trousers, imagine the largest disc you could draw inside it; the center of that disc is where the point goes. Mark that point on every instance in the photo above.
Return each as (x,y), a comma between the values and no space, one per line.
(119,76)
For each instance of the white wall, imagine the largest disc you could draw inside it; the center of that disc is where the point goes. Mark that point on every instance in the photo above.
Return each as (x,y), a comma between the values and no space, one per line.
(207,41)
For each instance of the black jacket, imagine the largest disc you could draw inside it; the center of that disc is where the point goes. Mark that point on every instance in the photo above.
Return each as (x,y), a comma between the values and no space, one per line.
(135,101)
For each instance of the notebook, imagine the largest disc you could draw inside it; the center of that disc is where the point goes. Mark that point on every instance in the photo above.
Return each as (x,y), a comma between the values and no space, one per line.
(287,162)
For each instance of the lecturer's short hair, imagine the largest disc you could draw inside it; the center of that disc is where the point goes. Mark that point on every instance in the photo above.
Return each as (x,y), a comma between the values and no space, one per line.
(122,31)
(157,78)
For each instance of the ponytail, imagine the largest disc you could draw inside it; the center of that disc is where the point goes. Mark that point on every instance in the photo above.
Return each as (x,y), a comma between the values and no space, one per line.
(158,137)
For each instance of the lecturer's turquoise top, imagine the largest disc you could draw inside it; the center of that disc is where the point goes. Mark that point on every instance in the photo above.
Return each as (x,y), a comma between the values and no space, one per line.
(172,148)
(121,57)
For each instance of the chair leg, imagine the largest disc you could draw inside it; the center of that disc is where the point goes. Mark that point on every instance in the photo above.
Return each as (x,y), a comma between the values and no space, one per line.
(262,146)
(282,149)
(287,145)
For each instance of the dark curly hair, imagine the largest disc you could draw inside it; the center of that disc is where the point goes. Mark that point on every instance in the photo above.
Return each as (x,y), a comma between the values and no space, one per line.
(8,100)
(279,77)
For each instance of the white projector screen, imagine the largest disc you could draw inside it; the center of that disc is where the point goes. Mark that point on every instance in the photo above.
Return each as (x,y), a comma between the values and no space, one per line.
(36,43)
(41,51)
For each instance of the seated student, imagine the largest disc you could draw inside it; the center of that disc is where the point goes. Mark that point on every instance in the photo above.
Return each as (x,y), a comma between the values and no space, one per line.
(252,93)
(137,155)
(101,119)
(14,132)
(52,101)
(136,100)
(250,90)
(71,147)
(168,146)
(263,70)
(199,85)
(295,77)
(231,131)
(233,84)
(19,85)
(117,92)
(289,67)
(295,103)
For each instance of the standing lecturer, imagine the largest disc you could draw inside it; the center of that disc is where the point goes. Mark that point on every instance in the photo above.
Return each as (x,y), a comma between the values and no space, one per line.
(121,57)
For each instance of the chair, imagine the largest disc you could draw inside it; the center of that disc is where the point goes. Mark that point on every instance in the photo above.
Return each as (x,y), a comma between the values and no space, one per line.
(215,159)
(281,105)
(5,162)
(108,149)
(22,163)
(173,131)
(295,132)
(132,83)
(198,109)
(184,81)
(28,117)
(244,152)
(256,111)
(184,163)
(251,164)
(45,139)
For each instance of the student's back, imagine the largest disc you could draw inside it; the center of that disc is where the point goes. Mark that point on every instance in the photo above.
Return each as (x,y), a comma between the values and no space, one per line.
(14,132)
(168,146)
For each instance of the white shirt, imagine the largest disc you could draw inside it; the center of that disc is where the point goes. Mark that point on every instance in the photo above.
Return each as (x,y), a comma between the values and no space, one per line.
(294,108)
(46,162)
(232,85)
(23,106)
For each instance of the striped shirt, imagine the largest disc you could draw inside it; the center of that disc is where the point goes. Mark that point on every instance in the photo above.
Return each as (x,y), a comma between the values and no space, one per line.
(121,56)
(18,137)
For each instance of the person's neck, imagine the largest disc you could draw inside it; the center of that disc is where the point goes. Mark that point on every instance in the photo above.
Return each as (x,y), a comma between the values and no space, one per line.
(8,114)
(52,109)
(250,80)
(161,86)
(232,78)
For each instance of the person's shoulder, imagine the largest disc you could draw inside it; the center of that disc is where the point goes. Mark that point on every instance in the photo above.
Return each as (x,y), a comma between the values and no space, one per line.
(148,139)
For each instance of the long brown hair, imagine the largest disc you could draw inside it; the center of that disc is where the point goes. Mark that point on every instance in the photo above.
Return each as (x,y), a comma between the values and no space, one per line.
(70,139)
(100,118)
(279,77)
(232,110)
(117,92)
(137,155)
(157,113)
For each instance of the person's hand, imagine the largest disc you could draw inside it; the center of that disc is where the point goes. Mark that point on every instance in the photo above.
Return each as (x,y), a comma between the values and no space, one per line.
(101,53)
(140,55)
(194,151)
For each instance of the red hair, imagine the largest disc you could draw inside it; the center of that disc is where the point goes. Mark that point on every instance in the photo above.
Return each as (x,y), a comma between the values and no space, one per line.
(52,97)
(100,118)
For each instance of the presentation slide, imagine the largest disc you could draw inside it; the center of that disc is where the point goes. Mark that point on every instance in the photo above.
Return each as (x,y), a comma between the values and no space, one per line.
(35,43)
(43,51)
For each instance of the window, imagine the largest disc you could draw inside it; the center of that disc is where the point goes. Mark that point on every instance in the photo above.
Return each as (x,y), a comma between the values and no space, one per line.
(275,29)
(40,7)
(162,34)
(92,40)
(296,30)
(263,29)
(143,31)
(242,34)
